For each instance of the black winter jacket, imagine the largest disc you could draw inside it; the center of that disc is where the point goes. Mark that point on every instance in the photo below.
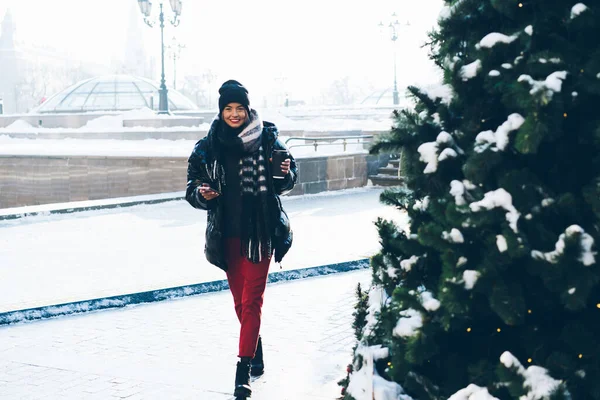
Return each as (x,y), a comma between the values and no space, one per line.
(205,166)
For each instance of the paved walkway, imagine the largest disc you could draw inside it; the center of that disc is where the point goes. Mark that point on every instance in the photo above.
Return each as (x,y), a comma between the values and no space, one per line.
(185,348)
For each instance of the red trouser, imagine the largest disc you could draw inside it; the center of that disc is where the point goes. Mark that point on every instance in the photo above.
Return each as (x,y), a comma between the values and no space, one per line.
(247,282)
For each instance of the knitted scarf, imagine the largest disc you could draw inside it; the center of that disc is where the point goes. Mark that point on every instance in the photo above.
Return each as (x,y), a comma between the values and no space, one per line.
(255,227)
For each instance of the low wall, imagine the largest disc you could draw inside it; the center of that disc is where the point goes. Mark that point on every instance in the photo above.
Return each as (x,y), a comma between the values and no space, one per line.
(35,180)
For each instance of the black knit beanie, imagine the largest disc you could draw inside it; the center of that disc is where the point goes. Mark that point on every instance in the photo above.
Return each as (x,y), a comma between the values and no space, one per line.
(233,92)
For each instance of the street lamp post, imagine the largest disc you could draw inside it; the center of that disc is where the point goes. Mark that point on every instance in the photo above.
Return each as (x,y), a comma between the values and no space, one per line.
(146,9)
(175,51)
(394,27)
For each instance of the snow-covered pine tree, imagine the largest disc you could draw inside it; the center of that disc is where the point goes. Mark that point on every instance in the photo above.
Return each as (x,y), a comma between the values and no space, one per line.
(493,290)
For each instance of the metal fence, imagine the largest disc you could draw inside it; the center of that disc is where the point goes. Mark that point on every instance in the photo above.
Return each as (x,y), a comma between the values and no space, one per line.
(329,141)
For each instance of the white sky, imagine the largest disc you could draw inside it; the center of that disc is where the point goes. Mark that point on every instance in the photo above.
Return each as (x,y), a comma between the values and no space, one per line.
(310,43)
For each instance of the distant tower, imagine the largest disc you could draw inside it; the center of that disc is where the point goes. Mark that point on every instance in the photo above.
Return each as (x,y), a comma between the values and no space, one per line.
(136,60)
(8,65)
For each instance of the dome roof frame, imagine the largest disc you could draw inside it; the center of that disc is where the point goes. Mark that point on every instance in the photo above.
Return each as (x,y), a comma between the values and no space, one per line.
(111,93)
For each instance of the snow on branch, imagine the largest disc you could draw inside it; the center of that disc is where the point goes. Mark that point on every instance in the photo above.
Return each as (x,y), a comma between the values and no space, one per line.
(458,189)
(409,323)
(470,278)
(429,152)
(455,236)
(367,384)
(421,205)
(435,92)
(377,299)
(448,11)
(538,383)
(429,302)
(488,139)
(498,198)
(586,241)
(501,243)
(577,10)
(491,39)
(408,263)
(552,84)
(472,392)
(470,70)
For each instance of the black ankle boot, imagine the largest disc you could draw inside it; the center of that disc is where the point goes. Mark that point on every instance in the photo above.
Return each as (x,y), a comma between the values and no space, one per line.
(258,365)
(242,379)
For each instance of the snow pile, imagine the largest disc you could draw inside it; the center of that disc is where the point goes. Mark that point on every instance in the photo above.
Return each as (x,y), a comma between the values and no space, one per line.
(19,126)
(409,323)
(529,30)
(494,73)
(455,236)
(487,139)
(470,70)
(428,302)
(491,39)
(538,383)
(470,278)
(577,10)
(115,122)
(472,392)
(377,299)
(552,84)
(507,66)
(409,263)
(498,198)
(429,152)
(501,243)
(442,92)
(461,261)
(104,123)
(586,241)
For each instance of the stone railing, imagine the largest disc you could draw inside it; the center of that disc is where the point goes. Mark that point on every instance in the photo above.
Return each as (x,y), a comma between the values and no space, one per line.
(35,180)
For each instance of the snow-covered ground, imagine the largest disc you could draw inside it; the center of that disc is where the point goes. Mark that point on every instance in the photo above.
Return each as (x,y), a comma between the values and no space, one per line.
(51,259)
(141,148)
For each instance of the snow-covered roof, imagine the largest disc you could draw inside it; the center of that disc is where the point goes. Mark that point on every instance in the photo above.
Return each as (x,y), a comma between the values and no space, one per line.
(112,93)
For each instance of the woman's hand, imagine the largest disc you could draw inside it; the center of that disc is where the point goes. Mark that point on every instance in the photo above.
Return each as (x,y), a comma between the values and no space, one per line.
(285,166)
(207,192)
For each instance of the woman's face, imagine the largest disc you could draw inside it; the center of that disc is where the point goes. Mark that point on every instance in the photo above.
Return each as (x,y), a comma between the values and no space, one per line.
(234,115)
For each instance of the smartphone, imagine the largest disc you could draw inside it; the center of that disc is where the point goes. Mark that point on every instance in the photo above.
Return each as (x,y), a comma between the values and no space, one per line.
(212,188)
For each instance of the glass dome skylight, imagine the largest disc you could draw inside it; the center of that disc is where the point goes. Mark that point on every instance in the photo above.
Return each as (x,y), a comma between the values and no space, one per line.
(112,93)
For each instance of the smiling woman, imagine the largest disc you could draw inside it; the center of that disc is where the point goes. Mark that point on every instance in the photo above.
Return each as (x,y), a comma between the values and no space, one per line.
(230,175)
